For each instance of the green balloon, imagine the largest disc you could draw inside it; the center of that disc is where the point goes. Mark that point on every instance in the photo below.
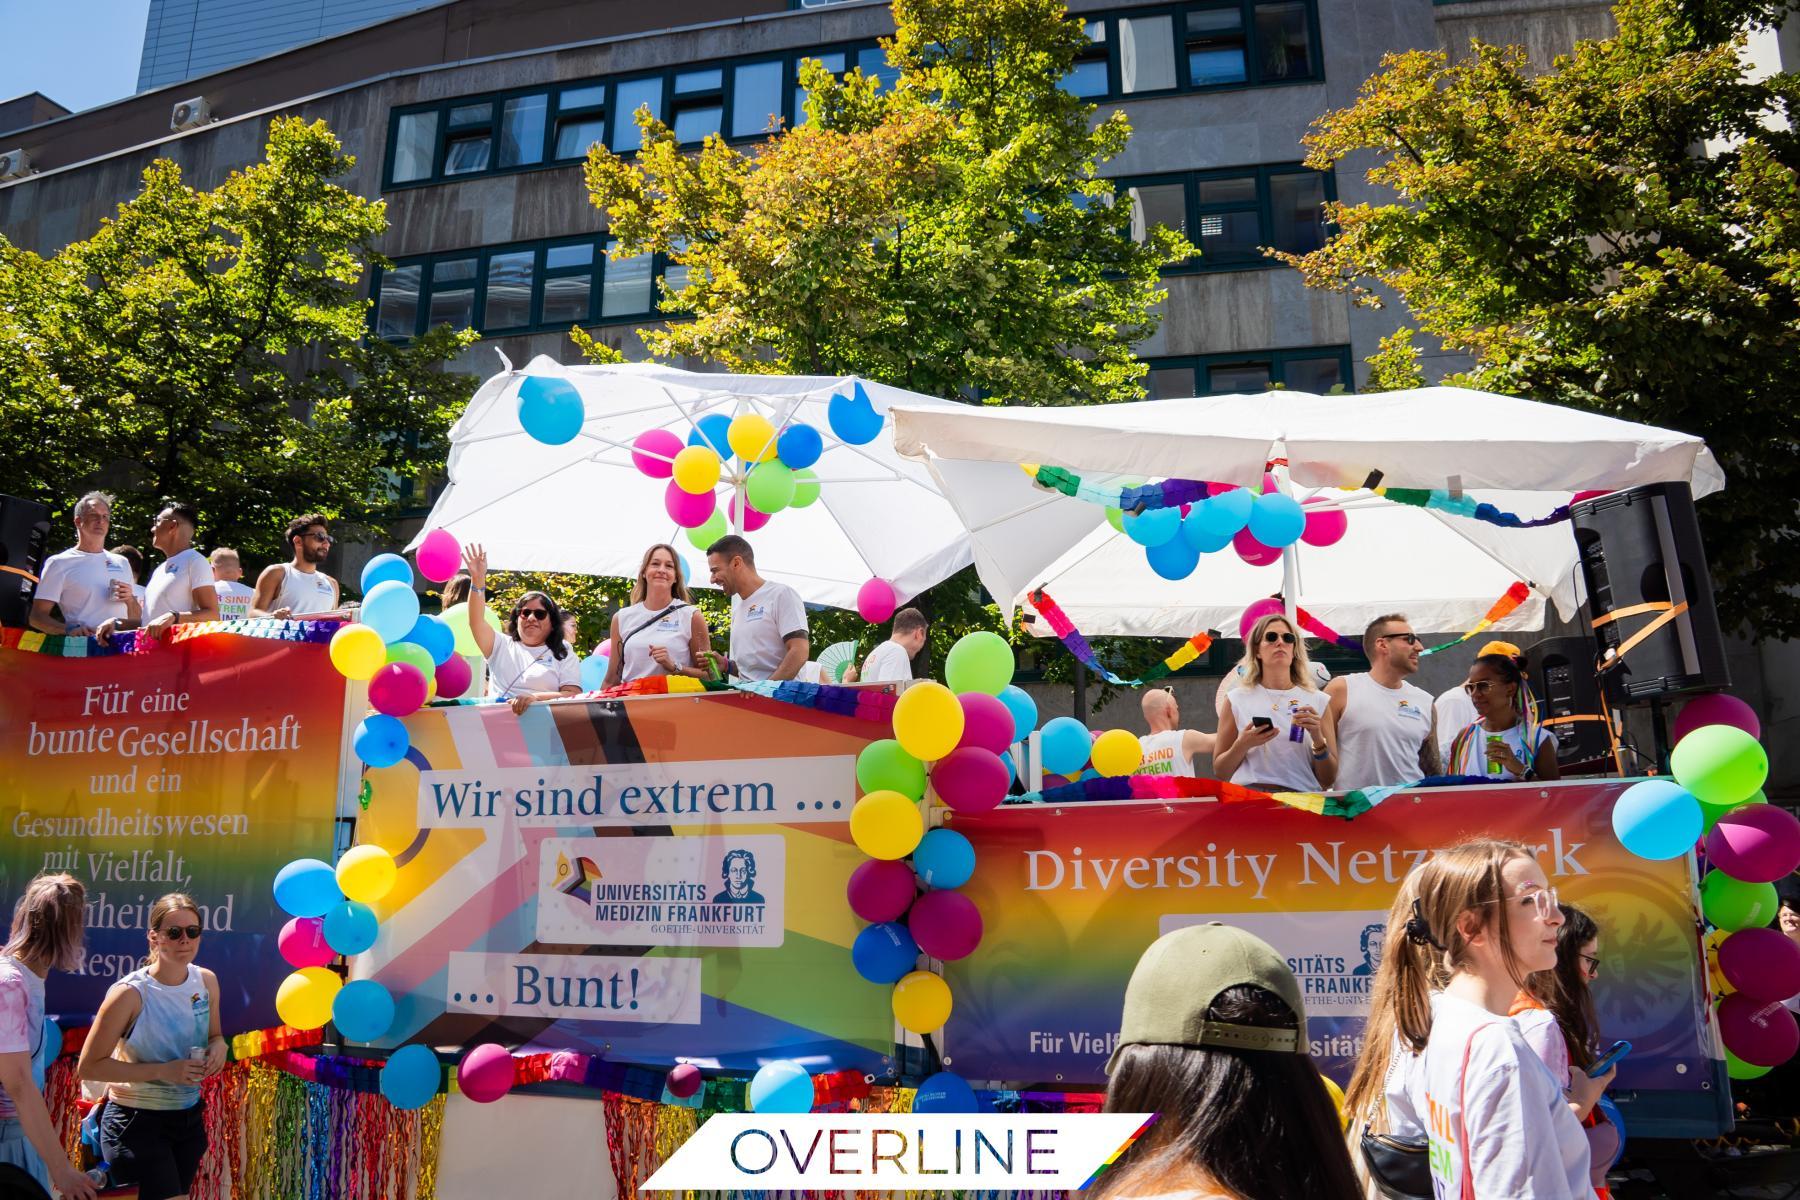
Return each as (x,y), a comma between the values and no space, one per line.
(1710,813)
(1116,518)
(979,662)
(1720,764)
(806,487)
(457,618)
(884,767)
(1731,904)
(770,487)
(702,536)
(1737,1068)
(412,652)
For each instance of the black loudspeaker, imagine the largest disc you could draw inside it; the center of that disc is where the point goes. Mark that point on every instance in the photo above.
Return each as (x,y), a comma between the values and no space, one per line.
(24,541)
(1572,700)
(1640,553)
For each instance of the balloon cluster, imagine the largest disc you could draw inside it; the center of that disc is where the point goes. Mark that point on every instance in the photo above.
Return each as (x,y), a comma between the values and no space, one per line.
(1256,526)
(407,657)
(1720,767)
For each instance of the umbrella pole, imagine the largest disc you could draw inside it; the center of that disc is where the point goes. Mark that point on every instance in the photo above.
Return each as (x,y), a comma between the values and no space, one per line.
(1290,556)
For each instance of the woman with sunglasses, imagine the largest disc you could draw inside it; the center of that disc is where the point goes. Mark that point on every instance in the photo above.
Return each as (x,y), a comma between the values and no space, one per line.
(530,661)
(1275,726)
(155,1038)
(1505,742)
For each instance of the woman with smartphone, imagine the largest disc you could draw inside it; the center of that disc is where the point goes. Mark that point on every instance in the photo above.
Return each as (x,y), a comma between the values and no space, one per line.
(1276,732)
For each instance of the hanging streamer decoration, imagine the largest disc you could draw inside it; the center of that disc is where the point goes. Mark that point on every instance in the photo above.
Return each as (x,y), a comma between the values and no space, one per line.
(137,642)
(1502,608)
(1077,645)
(1174,787)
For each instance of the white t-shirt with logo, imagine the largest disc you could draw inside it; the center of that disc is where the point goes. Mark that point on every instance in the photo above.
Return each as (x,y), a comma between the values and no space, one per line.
(1163,754)
(1283,764)
(172,584)
(82,583)
(1474,757)
(515,668)
(1380,733)
(887,663)
(760,623)
(303,592)
(672,630)
(234,599)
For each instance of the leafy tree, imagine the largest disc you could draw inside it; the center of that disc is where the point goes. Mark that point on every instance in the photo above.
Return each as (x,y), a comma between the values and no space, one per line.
(212,346)
(1618,233)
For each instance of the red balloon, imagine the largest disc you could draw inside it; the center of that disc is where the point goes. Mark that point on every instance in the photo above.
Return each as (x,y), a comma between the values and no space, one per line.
(684,1081)
(987,723)
(1716,709)
(1761,1032)
(1763,964)
(970,780)
(1253,551)
(454,676)
(880,890)
(397,689)
(947,925)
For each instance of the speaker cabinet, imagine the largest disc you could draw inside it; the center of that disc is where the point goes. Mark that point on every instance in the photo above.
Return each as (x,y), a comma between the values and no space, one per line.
(1571,698)
(1641,553)
(24,542)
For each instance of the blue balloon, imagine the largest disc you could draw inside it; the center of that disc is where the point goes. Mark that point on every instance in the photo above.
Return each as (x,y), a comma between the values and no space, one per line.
(1198,532)
(1657,819)
(411,1077)
(946,1092)
(350,927)
(944,859)
(1090,773)
(307,887)
(1012,768)
(1174,559)
(799,446)
(713,430)
(1153,527)
(884,953)
(49,1046)
(853,418)
(1277,520)
(380,741)
(781,1087)
(390,608)
(551,410)
(384,567)
(1065,745)
(431,635)
(1605,1105)
(1018,701)
(1223,515)
(593,671)
(363,1010)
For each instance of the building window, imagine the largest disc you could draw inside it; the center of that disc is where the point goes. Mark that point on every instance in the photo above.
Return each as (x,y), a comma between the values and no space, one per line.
(507,304)
(397,311)
(1232,215)
(471,139)
(1315,369)
(1217,50)
(699,105)
(1196,46)
(1088,78)
(1146,54)
(756,98)
(628,286)
(452,294)
(415,145)
(628,97)
(522,130)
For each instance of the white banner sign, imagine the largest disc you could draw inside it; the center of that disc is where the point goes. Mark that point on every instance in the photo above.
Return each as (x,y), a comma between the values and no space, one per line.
(663,891)
(1333,955)
(659,991)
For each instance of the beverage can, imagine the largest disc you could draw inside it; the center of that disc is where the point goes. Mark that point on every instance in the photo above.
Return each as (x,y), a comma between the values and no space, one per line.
(1494,744)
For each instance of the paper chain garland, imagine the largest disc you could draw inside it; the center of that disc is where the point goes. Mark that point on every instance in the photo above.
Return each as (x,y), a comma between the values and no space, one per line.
(1077,645)
(136,642)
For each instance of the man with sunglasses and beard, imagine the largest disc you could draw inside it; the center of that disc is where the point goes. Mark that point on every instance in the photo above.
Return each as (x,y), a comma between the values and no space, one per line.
(298,588)
(1385,731)
(530,661)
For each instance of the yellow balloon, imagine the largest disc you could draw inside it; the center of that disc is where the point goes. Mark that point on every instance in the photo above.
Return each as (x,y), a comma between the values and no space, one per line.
(922,1002)
(1721,986)
(1117,752)
(928,721)
(1337,1101)
(303,1001)
(697,469)
(357,651)
(366,873)
(391,817)
(886,825)
(751,437)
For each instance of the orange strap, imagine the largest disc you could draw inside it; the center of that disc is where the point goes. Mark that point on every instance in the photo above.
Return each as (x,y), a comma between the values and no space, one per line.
(17,571)
(1635,610)
(1668,613)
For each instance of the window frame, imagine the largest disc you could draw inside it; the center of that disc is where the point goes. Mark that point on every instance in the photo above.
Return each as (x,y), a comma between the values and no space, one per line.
(1184,84)
(1263,174)
(1278,361)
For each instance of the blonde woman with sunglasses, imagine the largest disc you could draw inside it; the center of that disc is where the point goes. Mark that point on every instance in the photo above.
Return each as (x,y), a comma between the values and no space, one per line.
(1276,732)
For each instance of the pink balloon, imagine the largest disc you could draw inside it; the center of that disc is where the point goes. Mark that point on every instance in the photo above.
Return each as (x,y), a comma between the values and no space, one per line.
(1763,964)
(1325,526)
(753,520)
(453,677)
(970,780)
(946,924)
(438,556)
(398,688)
(486,1073)
(1758,843)
(605,648)
(875,601)
(1269,485)
(302,942)
(880,890)
(653,452)
(686,509)
(1253,551)
(1256,612)
(1213,489)
(684,1081)
(1761,1032)
(987,722)
(1716,708)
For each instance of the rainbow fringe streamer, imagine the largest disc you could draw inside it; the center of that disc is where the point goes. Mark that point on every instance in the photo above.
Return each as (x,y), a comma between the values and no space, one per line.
(133,642)
(1071,638)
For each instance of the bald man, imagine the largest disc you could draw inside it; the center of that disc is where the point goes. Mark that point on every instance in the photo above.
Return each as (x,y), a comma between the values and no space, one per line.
(1169,749)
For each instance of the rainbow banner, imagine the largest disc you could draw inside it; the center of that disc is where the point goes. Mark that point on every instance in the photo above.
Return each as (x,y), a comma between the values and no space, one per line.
(202,767)
(645,880)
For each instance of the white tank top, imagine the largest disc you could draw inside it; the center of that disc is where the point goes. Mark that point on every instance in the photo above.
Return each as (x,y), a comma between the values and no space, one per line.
(303,593)
(1380,733)
(1163,756)
(1283,765)
(673,631)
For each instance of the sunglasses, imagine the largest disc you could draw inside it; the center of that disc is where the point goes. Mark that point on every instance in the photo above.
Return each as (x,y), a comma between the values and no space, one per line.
(1411,639)
(1593,966)
(179,933)
(1272,637)
(320,537)
(536,614)
(1478,687)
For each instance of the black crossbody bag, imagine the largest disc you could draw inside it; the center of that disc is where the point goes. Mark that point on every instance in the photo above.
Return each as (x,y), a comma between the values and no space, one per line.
(1398,1167)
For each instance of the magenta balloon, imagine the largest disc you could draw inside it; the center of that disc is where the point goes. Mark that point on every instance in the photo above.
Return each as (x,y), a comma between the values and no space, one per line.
(438,556)
(1763,964)
(1758,843)
(302,942)
(879,891)
(487,1073)
(1256,612)
(1716,709)
(653,452)
(684,1080)
(970,780)
(987,722)
(1253,551)
(753,520)
(947,925)
(397,689)
(1761,1032)
(687,509)
(875,601)
(1325,526)
(453,677)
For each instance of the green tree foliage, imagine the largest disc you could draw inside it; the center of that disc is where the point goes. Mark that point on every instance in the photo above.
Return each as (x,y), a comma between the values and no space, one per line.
(1619,232)
(211,346)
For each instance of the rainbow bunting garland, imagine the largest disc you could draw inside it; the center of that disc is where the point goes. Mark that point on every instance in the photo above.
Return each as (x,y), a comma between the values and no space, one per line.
(1077,645)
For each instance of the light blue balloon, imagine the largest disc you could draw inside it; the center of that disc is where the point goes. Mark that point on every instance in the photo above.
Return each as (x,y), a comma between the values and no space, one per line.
(944,859)
(434,637)
(1657,819)
(1012,768)
(384,567)
(593,672)
(1153,527)
(307,887)
(411,1077)
(799,446)
(380,741)
(713,430)
(1065,745)
(853,418)
(1174,559)
(363,1010)
(391,608)
(1605,1104)
(49,1046)
(1196,532)
(884,953)
(945,1092)
(550,410)
(1018,701)
(781,1087)
(1277,520)
(1223,515)
(350,927)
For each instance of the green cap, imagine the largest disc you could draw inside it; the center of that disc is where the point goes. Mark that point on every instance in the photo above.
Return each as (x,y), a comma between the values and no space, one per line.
(1180,976)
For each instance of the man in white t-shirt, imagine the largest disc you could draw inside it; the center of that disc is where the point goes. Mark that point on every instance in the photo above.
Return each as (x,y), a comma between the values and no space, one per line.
(228,574)
(768,622)
(1168,748)
(891,662)
(1453,710)
(298,588)
(90,584)
(1384,724)
(181,590)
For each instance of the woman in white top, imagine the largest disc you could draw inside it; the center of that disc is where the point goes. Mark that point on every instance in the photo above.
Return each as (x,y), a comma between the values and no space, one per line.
(530,661)
(1275,727)
(1505,742)
(663,632)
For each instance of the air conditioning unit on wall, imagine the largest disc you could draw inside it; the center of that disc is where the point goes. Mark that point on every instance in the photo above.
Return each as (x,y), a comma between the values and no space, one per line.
(14,164)
(188,113)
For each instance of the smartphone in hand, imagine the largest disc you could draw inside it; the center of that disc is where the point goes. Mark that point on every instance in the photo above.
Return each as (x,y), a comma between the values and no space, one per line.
(1619,1050)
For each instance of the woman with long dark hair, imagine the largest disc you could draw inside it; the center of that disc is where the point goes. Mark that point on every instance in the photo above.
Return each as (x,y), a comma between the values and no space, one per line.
(1505,742)
(1214,1040)
(530,661)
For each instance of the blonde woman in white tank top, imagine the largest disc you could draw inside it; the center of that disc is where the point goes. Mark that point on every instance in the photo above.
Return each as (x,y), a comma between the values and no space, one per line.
(663,632)
(1257,744)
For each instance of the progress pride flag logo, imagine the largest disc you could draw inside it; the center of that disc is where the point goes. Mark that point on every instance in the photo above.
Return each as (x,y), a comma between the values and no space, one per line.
(888,1152)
